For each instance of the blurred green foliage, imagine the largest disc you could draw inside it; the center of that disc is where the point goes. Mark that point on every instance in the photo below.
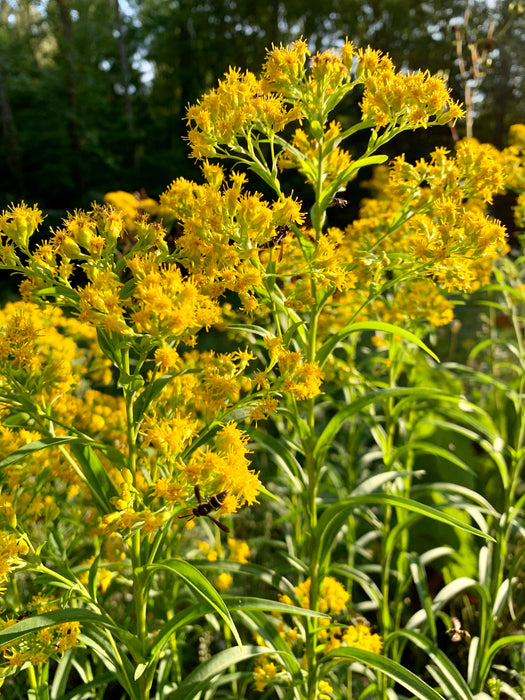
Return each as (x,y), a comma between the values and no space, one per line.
(93,93)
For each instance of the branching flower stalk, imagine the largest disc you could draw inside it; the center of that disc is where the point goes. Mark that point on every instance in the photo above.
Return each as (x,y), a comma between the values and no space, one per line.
(389,106)
(300,287)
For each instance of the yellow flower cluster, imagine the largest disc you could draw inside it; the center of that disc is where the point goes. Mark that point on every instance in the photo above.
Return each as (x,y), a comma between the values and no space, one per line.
(299,379)
(227,122)
(157,300)
(11,551)
(222,229)
(333,599)
(18,224)
(239,551)
(39,647)
(41,346)
(405,100)
(514,160)
(333,596)
(264,671)
(421,300)
(47,361)
(231,111)
(359,636)
(131,206)
(222,465)
(425,222)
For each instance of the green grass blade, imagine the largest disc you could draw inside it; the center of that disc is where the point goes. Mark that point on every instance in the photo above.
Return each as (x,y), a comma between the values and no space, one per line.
(206,673)
(96,476)
(200,584)
(390,668)
(359,405)
(499,644)
(444,669)
(420,579)
(329,346)
(37,445)
(334,517)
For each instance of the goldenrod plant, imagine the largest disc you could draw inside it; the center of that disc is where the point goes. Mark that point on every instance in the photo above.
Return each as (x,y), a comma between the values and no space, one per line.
(260,372)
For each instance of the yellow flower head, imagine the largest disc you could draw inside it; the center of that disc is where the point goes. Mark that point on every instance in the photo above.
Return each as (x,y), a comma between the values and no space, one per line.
(19,222)
(239,550)
(223,582)
(264,671)
(360,636)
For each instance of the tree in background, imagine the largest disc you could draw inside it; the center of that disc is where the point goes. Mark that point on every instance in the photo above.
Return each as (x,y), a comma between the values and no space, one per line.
(93,93)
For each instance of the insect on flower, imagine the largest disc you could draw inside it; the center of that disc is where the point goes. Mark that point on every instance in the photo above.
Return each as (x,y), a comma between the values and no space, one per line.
(456,633)
(207,506)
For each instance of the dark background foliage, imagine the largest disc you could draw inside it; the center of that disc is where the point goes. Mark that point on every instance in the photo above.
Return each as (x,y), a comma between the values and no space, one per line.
(93,92)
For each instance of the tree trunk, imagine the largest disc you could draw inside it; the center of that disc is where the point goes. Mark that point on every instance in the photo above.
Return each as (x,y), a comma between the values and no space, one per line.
(10,135)
(66,47)
(124,76)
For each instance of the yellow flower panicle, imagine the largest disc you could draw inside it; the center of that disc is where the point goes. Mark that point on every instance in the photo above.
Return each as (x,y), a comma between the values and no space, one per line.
(359,636)
(224,466)
(12,550)
(264,672)
(284,68)
(333,596)
(324,688)
(402,100)
(229,112)
(131,205)
(37,648)
(333,600)
(18,223)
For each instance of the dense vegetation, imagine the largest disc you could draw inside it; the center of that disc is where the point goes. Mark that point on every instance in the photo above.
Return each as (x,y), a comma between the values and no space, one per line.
(93,93)
(263,436)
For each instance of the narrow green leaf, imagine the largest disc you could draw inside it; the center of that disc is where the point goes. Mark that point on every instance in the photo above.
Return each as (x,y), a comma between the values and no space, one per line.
(375,482)
(362,579)
(203,676)
(118,663)
(334,517)
(390,668)
(260,624)
(152,390)
(486,662)
(54,617)
(36,445)
(250,603)
(448,487)
(328,346)
(248,328)
(95,475)
(282,455)
(420,579)
(80,693)
(110,346)
(414,393)
(233,603)
(59,291)
(92,578)
(139,671)
(343,177)
(61,675)
(447,673)
(200,584)
(446,594)
(261,573)
(429,448)
(178,621)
